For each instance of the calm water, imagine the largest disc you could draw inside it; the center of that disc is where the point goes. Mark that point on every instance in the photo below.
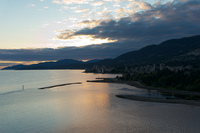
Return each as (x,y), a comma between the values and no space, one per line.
(84,108)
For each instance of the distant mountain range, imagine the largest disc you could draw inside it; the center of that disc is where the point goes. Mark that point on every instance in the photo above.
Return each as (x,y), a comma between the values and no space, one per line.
(184,51)
(60,64)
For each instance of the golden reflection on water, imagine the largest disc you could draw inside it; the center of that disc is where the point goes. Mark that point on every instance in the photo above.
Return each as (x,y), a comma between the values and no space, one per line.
(100,100)
(83,107)
(97,98)
(85,97)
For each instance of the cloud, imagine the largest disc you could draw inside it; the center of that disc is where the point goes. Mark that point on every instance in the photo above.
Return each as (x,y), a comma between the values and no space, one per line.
(98,3)
(108,50)
(69,2)
(89,24)
(115,0)
(82,10)
(57,1)
(31,5)
(154,24)
(140,5)
(120,10)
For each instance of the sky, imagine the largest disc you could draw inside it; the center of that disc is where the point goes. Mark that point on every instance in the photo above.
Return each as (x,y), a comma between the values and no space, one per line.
(33,31)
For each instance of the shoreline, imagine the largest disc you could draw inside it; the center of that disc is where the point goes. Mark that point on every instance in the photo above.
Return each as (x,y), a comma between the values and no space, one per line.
(139,85)
(159,100)
(151,99)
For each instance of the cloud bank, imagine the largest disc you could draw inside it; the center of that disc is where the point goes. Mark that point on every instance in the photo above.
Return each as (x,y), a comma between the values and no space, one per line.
(79,53)
(154,23)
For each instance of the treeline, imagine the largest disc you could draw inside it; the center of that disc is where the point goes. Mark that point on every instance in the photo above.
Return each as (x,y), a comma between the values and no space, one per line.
(189,80)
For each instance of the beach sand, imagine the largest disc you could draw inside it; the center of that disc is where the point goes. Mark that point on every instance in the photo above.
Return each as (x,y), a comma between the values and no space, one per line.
(152,99)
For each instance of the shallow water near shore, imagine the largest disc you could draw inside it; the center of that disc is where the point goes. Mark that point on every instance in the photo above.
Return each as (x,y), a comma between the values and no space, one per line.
(86,107)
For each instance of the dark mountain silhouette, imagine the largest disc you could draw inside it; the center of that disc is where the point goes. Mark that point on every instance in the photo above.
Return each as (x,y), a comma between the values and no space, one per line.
(162,52)
(93,61)
(60,64)
(176,51)
(15,67)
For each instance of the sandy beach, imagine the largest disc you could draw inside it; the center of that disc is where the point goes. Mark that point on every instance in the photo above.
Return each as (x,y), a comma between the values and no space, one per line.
(152,99)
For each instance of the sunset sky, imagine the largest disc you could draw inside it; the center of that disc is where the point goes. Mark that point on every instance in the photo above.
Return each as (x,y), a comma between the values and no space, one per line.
(43,30)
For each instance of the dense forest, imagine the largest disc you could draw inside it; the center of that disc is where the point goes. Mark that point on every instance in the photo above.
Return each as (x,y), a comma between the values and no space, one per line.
(189,80)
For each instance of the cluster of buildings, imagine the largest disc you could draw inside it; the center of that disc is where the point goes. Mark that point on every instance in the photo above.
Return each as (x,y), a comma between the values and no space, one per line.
(138,69)
(100,69)
(160,67)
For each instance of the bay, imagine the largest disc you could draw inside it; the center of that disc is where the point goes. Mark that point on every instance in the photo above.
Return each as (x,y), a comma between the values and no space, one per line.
(84,108)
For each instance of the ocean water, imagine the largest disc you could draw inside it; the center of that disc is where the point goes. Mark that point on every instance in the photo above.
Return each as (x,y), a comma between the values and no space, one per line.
(84,108)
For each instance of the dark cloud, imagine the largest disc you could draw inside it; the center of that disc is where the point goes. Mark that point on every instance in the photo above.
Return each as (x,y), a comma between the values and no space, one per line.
(109,50)
(159,23)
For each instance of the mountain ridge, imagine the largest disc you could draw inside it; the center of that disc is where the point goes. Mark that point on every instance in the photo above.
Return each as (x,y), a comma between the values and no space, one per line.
(169,51)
